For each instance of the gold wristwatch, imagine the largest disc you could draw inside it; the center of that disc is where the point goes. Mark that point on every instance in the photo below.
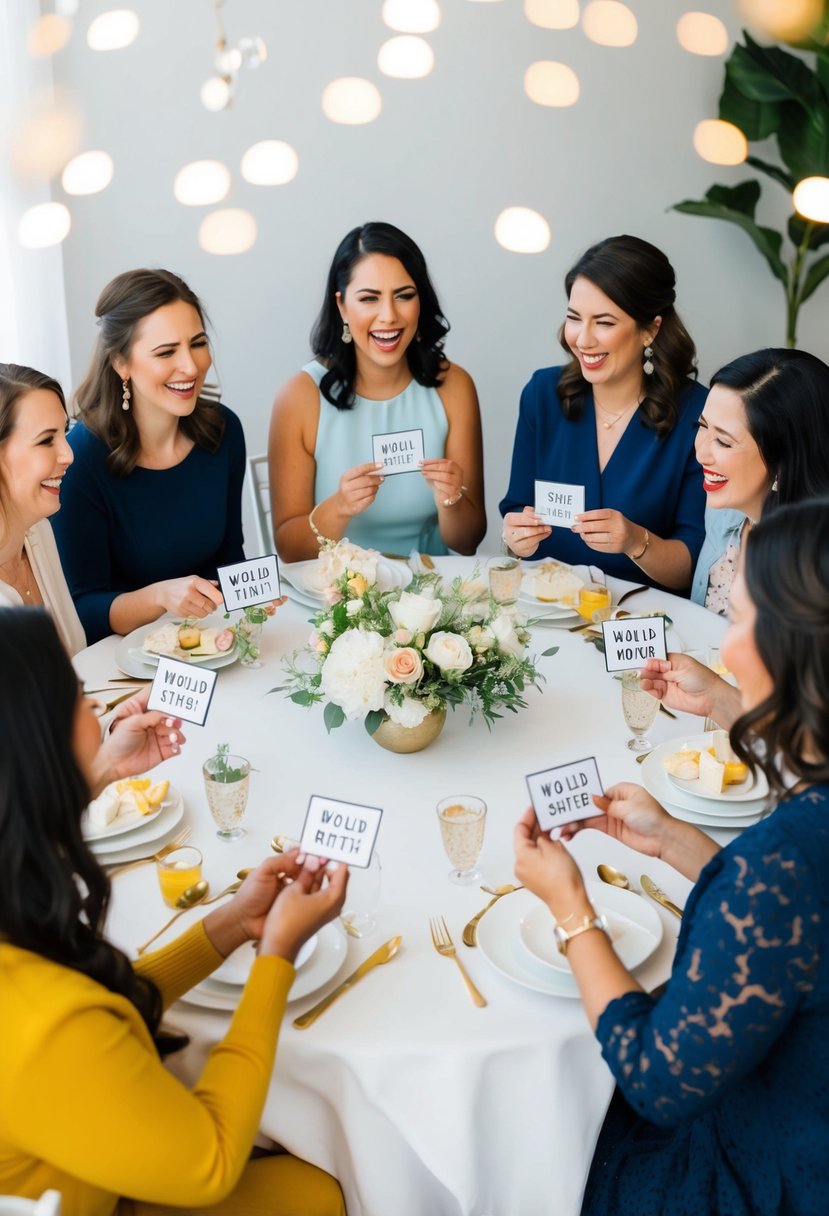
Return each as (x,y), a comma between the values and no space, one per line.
(564,936)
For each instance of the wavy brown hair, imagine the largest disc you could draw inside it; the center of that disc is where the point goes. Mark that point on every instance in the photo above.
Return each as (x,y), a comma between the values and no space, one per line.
(640,280)
(121,306)
(16,381)
(787,576)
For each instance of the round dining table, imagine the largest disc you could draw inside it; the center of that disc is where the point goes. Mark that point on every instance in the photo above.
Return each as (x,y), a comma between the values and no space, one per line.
(416,1099)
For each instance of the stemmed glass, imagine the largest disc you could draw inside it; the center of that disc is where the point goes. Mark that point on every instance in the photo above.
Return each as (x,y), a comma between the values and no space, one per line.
(639,708)
(462,821)
(362,899)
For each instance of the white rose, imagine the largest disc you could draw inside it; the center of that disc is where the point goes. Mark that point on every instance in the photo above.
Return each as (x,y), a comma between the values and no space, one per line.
(449,651)
(417,613)
(334,561)
(506,636)
(354,607)
(410,713)
(481,638)
(327,628)
(353,675)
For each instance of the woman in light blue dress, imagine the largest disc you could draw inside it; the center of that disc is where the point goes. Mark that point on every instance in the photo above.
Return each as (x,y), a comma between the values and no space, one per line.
(379,370)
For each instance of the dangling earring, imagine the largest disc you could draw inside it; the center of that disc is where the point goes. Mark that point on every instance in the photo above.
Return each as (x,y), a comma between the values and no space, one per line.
(126,395)
(647,366)
(775,486)
(346,334)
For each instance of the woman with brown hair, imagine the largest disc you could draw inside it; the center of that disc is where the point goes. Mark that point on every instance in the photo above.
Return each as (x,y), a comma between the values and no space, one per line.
(619,420)
(153,503)
(34,457)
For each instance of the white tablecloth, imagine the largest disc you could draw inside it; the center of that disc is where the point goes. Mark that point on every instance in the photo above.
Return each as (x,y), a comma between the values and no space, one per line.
(414,1099)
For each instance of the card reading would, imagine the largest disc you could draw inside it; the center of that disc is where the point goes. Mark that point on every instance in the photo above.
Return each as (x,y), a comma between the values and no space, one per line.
(398,451)
(182,690)
(632,640)
(252,582)
(563,794)
(340,831)
(557,503)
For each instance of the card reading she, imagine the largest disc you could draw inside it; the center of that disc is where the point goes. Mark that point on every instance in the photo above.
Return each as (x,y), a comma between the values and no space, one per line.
(398,451)
(340,831)
(182,690)
(248,583)
(557,503)
(629,642)
(563,794)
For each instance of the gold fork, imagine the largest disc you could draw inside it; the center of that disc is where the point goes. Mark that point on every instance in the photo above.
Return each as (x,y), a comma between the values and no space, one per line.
(442,941)
(177,840)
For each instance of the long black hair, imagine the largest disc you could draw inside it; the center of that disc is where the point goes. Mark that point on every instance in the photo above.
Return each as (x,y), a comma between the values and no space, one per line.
(787,577)
(640,280)
(53,893)
(425,356)
(786,399)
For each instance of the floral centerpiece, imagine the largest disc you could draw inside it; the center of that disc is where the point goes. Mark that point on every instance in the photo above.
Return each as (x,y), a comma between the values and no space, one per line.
(248,631)
(401,655)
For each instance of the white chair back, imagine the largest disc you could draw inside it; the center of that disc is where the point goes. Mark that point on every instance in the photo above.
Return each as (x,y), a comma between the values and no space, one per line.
(261,499)
(48,1205)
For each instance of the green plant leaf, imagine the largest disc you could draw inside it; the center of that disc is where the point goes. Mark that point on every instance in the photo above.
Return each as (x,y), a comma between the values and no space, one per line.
(333,716)
(773,171)
(767,240)
(373,719)
(757,120)
(545,654)
(769,74)
(299,698)
(816,274)
(797,226)
(743,197)
(803,139)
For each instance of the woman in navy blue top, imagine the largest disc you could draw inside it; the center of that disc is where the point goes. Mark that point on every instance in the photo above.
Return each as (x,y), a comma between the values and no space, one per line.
(154,501)
(722,1103)
(619,420)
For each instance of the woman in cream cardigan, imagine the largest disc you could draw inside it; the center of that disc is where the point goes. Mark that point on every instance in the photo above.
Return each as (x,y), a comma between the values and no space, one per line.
(34,455)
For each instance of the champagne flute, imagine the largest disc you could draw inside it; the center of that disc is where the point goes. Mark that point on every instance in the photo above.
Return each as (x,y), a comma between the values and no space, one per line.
(639,708)
(462,821)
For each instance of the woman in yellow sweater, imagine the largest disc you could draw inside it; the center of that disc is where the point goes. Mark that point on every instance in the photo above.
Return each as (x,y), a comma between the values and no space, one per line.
(87,1106)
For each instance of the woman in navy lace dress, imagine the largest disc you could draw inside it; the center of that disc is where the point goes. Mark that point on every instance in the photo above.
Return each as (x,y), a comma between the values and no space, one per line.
(722,1101)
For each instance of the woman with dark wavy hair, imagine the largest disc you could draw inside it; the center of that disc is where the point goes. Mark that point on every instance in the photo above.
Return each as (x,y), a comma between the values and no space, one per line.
(153,502)
(618,419)
(88,1108)
(722,1102)
(379,369)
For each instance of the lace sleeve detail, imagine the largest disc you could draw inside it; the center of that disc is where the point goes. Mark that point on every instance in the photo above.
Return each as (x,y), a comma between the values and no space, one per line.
(746,959)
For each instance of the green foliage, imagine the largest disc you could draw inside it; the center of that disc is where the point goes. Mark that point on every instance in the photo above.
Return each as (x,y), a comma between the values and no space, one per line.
(768,92)
(222,771)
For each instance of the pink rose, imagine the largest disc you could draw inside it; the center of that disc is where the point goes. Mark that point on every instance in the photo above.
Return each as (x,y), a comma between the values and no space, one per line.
(332,595)
(402,636)
(225,639)
(403,665)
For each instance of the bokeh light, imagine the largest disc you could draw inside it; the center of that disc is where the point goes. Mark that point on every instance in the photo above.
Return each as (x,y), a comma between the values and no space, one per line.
(49,34)
(551,84)
(88,173)
(216,94)
(44,225)
(412,16)
(351,100)
(227,232)
(609,23)
(552,14)
(270,163)
(702,34)
(522,230)
(49,137)
(811,199)
(113,31)
(785,20)
(720,143)
(202,182)
(406,57)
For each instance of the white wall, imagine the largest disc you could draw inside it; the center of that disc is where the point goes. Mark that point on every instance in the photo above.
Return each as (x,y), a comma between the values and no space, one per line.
(446,155)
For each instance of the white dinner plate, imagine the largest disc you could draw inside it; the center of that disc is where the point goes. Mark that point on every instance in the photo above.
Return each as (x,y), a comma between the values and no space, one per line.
(124,822)
(133,660)
(235,970)
(306,580)
(325,963)
(499,942)
(635,928)
(172,810)
(702,820)
(656,782)
(755,785)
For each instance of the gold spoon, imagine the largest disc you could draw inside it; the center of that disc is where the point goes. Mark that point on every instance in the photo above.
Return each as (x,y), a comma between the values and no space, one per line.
(612,876)
(188,899)
(470,930)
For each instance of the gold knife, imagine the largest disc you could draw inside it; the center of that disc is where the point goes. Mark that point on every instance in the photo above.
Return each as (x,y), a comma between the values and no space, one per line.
(655,892)
(386,952)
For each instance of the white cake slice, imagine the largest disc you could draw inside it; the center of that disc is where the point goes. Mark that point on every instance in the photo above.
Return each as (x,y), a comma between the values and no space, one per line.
(103,809)
(711,773)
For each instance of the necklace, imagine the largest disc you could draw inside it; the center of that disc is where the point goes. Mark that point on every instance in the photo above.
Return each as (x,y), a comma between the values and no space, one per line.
(615,417)
(21,579)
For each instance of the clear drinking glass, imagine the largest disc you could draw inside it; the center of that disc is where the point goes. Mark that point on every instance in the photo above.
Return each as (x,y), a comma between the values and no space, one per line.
(462,821)
(639,708)
(178,871)
(250,641)
(362,899)
(594,602)
(505,577)
(226,782)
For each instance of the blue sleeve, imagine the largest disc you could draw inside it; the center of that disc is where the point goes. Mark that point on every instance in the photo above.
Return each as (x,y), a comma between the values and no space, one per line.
(82,531)
(747,956)
(233,546)
(521,490)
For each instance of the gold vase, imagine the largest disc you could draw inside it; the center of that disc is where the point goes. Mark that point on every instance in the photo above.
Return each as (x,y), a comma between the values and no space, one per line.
(395,738)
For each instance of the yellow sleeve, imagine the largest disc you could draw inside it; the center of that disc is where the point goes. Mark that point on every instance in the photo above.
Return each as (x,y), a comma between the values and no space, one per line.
(92,1098)
(178,967)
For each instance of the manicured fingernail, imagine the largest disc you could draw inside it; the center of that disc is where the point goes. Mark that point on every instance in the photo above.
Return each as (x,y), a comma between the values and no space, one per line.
(300,859)
(312,864)
(168,721)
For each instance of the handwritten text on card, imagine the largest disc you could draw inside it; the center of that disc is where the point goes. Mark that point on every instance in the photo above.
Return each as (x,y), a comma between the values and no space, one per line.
(182,690)
(557,503)
(248,583)
(564,793)
(398,451)
(630,642)
(340,831)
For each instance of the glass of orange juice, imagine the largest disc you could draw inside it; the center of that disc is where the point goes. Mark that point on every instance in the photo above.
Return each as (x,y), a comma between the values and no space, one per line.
(594,602)
(178,871)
